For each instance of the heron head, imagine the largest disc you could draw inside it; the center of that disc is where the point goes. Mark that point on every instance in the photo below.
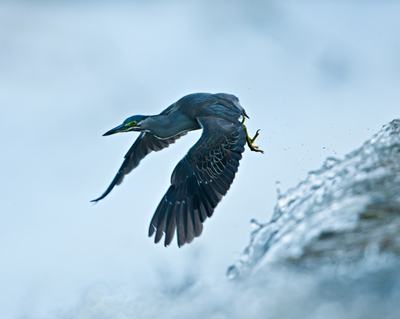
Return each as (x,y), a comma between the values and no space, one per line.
(132,123)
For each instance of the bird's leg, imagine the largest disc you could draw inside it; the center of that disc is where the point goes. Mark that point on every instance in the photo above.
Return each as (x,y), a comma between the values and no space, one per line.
(250,140)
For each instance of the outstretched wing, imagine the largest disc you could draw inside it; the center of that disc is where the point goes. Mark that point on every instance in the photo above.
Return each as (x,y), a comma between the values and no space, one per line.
(199,181)
(144,144)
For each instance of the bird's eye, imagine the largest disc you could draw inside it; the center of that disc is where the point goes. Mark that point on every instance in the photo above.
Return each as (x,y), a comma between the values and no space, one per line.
(133,123)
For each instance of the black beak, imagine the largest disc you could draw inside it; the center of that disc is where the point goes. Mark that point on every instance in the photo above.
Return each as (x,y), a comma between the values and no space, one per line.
(119,129)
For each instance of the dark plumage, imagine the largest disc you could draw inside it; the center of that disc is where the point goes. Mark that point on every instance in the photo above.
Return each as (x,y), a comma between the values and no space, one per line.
(205,174)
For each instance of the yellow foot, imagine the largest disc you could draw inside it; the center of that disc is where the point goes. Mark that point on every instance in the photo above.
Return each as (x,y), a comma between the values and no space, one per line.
(250,141)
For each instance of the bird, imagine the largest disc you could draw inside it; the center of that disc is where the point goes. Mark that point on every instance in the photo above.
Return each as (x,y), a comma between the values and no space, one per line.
(206,172)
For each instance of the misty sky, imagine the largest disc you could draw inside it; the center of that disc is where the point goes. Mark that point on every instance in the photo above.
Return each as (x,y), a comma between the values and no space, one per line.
(317,77)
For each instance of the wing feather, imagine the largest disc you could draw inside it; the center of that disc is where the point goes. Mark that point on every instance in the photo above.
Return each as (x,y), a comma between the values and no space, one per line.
(144,144)
(199,181)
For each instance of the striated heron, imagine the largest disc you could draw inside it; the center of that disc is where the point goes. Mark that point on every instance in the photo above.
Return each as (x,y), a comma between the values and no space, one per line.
(204,175)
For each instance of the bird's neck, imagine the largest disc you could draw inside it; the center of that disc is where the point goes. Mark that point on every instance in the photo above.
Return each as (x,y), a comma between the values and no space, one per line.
(165,126)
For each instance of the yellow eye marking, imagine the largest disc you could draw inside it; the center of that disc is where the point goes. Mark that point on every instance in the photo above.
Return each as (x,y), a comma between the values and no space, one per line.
(133,123)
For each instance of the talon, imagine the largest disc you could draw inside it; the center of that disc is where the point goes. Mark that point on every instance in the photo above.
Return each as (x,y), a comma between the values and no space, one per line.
(254,148)
(255,136)
(250,141)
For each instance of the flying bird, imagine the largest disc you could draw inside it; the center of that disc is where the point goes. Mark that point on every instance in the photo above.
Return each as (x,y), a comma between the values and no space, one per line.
(205,174)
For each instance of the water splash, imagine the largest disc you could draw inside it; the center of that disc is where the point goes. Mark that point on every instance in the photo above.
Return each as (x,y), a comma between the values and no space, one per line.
(345,212)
